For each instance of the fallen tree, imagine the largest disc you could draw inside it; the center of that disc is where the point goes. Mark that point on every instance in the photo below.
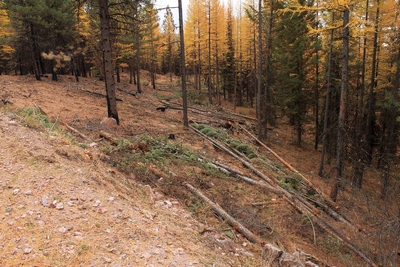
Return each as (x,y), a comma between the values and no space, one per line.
(273,255)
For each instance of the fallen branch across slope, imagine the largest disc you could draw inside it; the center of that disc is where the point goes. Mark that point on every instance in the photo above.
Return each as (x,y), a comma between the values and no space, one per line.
(331,212)
(273,254)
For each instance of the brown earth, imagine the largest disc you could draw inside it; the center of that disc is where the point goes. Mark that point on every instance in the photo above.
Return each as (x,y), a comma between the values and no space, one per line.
(66,201)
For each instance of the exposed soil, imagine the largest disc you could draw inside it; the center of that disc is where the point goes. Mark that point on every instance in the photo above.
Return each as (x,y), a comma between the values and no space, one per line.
(66,201)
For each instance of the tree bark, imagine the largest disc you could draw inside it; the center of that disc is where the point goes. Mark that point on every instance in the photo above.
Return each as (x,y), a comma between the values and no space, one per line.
(327,103)
(259,74)
(371,99)
(342,111)
(108,60)
(183,67)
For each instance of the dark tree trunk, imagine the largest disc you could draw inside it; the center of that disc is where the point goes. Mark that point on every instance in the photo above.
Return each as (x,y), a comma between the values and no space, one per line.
(74,69)
(316,86)
(391,147)
(360,140)
(342,111)
(209,55)
(108,60)
(371,98)
(130,74)
(34,52)
(327,103)
(138,65)
(83,67)
(118,74)
(259,74)
(183,67)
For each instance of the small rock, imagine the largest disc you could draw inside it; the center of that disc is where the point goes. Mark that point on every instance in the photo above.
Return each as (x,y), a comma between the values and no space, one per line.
(111,199)
(108,260)
(146,255)
(27,250)
(46,252)
(45,201)
(101,210)
(93,144)
(70,203)
(15,192)
(8,209)
(28,192)
(59,206)
(96,204)
(73,198)
(62,229)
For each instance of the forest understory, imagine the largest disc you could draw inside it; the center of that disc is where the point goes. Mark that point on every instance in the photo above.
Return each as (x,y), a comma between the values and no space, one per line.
(272,189)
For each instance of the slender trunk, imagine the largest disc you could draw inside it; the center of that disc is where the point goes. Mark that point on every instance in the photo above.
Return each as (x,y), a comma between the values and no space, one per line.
(371,99)
(360,162)
(130,74)
(117,73)
(259,72)
(316,85)
(138,65)
(209,54)
(391,148)
(268,111)
(183,67)
(342,110)
(327,103)
(199,55)
(108,60)
(34,52)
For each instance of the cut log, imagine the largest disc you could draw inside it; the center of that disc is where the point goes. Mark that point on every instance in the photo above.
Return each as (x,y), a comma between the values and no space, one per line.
(127,92)
(98,94)
(244,162)
(114,140)
(72,129)
(273,254)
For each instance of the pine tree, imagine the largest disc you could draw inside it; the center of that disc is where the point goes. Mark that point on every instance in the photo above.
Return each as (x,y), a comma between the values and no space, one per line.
(292,55)
(43,27)
(169,42)
(229,66)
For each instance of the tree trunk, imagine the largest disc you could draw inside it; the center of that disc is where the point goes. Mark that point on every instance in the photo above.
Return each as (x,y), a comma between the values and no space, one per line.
(183,67)
(117,73)
(342,111)
(137,41)
(259,73)
(316,85)
(108,60)
(393,128)
(359,139)
(371,99)
(209,54)
(34,52)
(327,103)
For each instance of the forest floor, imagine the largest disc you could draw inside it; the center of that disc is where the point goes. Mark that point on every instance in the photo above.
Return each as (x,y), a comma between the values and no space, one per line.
(70,201)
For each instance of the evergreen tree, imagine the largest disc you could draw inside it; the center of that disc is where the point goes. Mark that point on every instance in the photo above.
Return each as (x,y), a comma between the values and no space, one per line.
(43,27)
(292,56)
(228,65)
(170,43)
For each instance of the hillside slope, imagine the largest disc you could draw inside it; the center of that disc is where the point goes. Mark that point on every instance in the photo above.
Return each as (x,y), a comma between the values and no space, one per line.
(73,201)
(62,206)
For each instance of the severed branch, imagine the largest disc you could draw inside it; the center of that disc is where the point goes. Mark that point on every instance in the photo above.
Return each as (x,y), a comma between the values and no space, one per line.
(273,254)
(98,94)
(244,162)
(75,131)
(335,206)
